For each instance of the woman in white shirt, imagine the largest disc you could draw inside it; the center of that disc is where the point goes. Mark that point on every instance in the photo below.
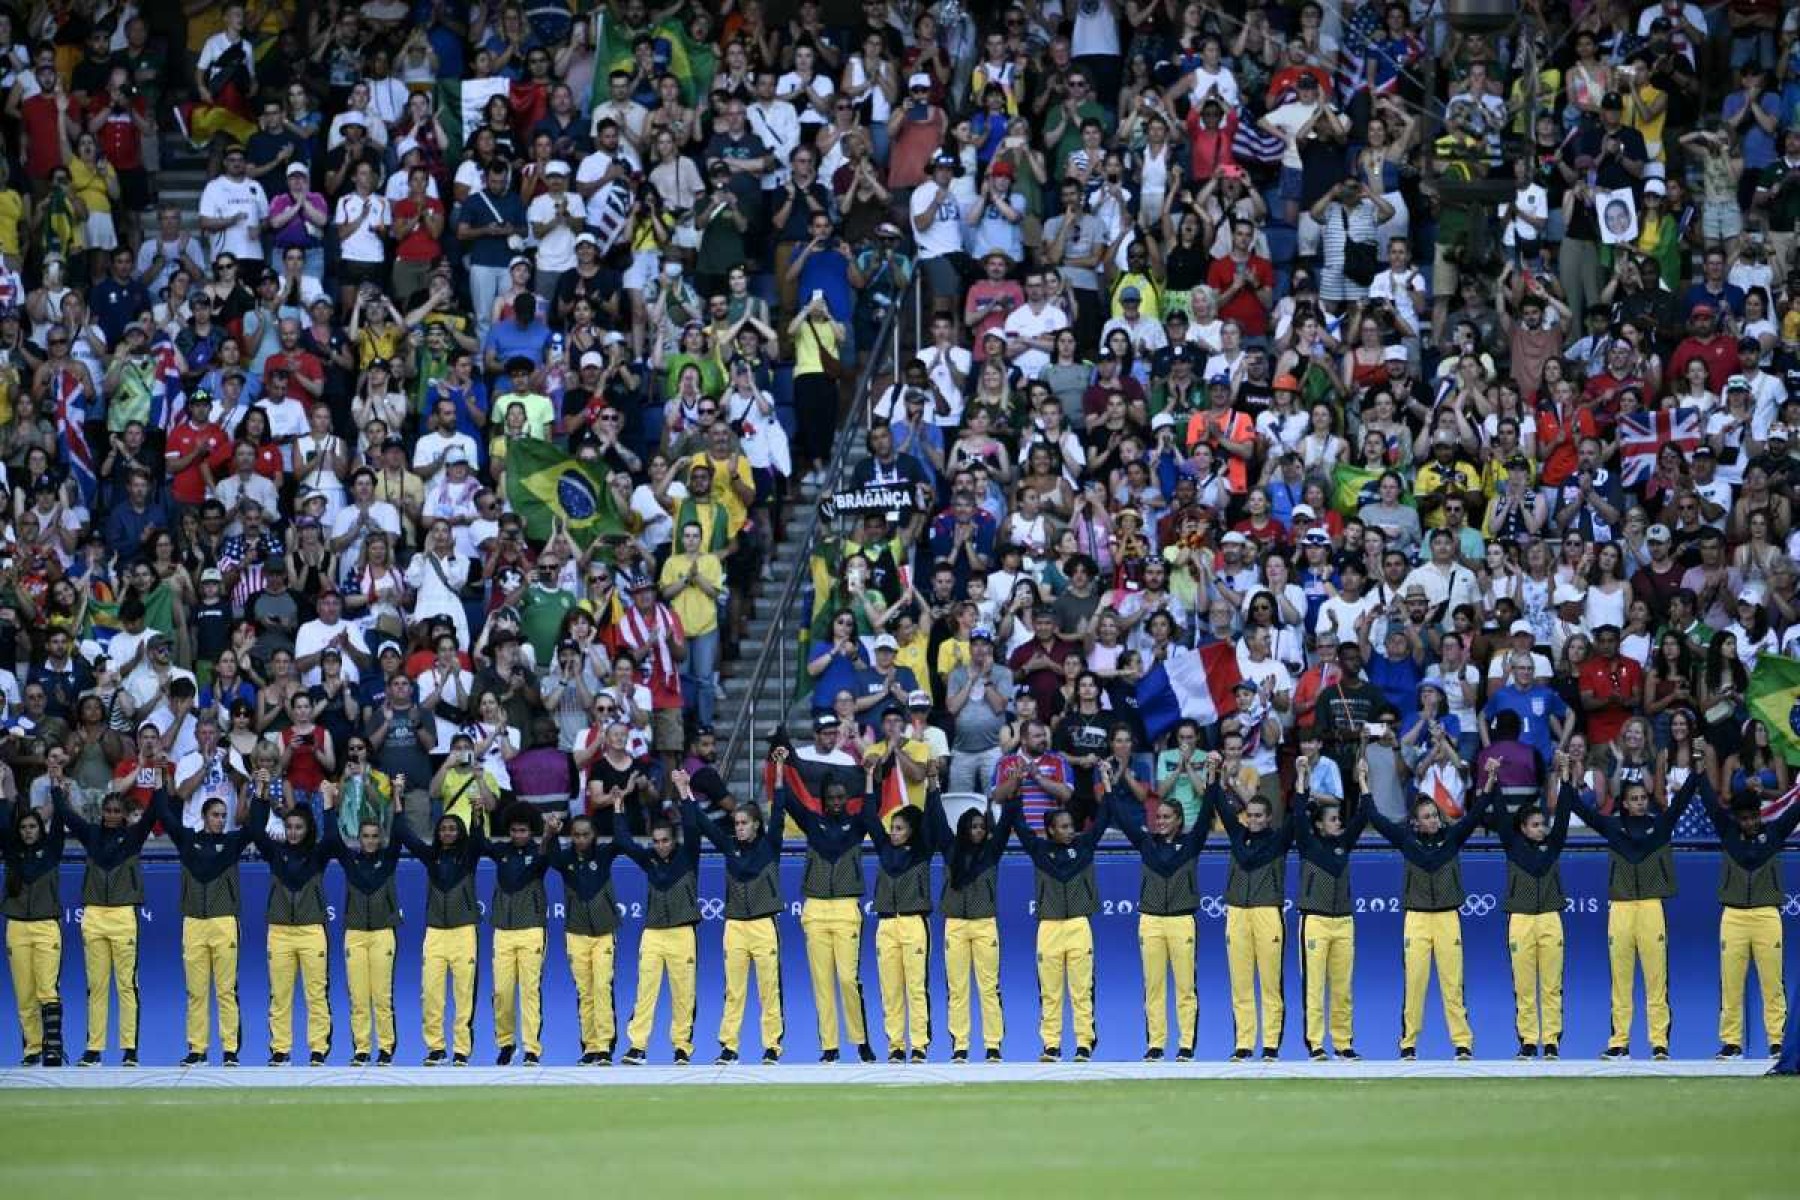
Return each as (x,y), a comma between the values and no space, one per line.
(659,525)
(1607,593)
(436,578)
(496,742)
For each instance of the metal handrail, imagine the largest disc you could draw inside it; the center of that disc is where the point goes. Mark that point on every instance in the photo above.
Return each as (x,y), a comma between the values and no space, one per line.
(776,653)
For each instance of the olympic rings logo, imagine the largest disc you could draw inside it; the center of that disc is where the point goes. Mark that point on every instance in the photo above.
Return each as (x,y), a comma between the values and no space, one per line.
(1790,905)
(712,908)
(1212,906)
(1480,904)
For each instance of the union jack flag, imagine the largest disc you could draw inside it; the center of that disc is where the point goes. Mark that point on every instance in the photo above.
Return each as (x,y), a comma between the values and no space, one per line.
(167,399)
(71,418)
(1642,435)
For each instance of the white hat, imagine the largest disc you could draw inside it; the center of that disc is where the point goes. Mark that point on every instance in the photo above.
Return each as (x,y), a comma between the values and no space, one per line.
(1568,593)
(593,358)
(1524,627)
(1304,510)
(556,166)
(886,642)
(405,146)
(456,454)
(918,79)
(612,337)
(1654,187)
(1162,420)
(1234,538)
(1394,354)
(299,168)
(587,239)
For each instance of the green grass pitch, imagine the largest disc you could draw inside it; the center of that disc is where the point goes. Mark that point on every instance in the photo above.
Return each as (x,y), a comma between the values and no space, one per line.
(1274,1138)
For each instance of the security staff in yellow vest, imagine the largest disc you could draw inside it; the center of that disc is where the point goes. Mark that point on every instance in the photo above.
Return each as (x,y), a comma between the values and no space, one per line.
(1751,894)
(1067,896)
(831,916)
(590,920)
(903,854)
(1255,927)
(371,917)
(1324,841)
(518,909)
(1168,898)
(1432,896)
(1534,903)
(451,915)
(112,887)
(671,913)
(296,932)
(970,902)
(752,899)
(1640,876)
(33,909)
(209,917)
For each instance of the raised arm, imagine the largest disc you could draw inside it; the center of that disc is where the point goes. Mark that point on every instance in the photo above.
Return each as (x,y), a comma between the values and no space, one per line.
(622,839)
(1465,827)
(74,821)
(1130,823)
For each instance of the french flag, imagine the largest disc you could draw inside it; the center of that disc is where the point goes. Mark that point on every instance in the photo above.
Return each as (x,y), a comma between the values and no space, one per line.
(1192,685)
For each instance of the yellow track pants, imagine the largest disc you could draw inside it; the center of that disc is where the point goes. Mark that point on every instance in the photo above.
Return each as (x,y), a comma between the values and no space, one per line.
(1327,961)
(902,961)
(972,946)
(1433,938)
(519,971)
(591,962)
(751,945)
(1166,946)
(1637,934)
(369,970)
(34,951)
(660,952)
(109,944)
(1065,960)
(1744,934)
(297,953)
(209,960)
(1255,939)
(833,931)
(448,953)
(1535,941)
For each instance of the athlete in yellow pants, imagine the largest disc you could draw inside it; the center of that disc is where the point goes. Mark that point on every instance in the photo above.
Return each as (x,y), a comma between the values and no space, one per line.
(1751,893)
(1640,876)
(831,917)
(1432,893)
(590,915)
(519,909)
(209,917)
(112,887)
(969,901)
(449,955)
(1168,898)
(1325,839)
(1535,902)
(109,941)
(371,915)
(671,912)
(902,957)
(296,947)
(1255,931)
(752,898)
(451,912)
(1066,898)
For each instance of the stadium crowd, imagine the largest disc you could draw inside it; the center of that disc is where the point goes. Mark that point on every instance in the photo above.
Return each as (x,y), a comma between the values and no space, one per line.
(1319,394)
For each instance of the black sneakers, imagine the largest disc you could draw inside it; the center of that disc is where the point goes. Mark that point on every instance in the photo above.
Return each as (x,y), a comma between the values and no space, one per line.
(279,1060)
(459,1060)
(959,1056)
(1349,1055)
(230,1058)
(317,1059)
(1728,1050)
(1084,1053)
(1526,1050)
(1153,1054)
(993,1054)
(1270,1054)
(634,1057)
(896,1055)
(682,1058)
(1551,1050)
(726,1057)
(1407,1054)
(530,1060)
(505,1057)
(1050,1054)
(918,1054)
(435,1058)
(1241,1054)
(865,1052)
(1464,1054)
(194,1060)
(771,1056)
(359,1060)
(603,1059)
(1616,1052)
(90,1059)
(128,1059)
(828,1056)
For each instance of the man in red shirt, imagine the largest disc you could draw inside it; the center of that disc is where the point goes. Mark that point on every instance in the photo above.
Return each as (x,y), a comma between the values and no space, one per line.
(198,452)
(990,299)
(1562,422)
(1038,664)
(1611,686)
(306,374)
(1706,342)
(1245,283)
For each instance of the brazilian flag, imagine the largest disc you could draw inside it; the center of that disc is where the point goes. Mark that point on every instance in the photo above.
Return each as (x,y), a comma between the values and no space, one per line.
(545,485)
(159,613)
(1775,701)
(1353,487)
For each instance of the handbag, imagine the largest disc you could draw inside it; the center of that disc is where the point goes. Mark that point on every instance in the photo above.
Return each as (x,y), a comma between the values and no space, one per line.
(1360,265)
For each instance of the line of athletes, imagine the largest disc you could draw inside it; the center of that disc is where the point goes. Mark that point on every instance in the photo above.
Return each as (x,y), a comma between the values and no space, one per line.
(1642,875)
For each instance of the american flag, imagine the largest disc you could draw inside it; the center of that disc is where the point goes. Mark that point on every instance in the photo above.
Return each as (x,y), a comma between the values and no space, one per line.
(1642,435)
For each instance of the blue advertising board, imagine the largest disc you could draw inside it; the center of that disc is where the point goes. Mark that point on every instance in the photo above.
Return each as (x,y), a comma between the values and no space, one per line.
(1693,921)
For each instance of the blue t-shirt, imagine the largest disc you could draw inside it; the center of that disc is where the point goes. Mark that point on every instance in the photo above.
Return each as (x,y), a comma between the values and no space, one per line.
(1398,681)
(828,271)
(1536,707)
(481,209)
(508,340)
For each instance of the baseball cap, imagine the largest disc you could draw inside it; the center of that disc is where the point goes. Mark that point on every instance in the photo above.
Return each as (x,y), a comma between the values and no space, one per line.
(918,79)
(918,700)
(556,167)
(944,160)
(1700,310)
(387,647)
(1654,187)
(1219,380)
(299,168)
(981,633)
(1658,533)
(1394,354)
(1162,420)
(825,721)
(586,239)
(393,441)
(1523,627)
(456,454)
(1304,512)
(887,229)
(211,575)
(1234,538)
(1003,168)
(1612,100)
(1778,431)
(886,642)
(1286,383)
(1129,294)
(1749,345)
(593,358)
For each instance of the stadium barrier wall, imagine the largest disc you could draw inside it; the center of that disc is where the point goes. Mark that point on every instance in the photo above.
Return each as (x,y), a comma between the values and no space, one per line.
(1693,922)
